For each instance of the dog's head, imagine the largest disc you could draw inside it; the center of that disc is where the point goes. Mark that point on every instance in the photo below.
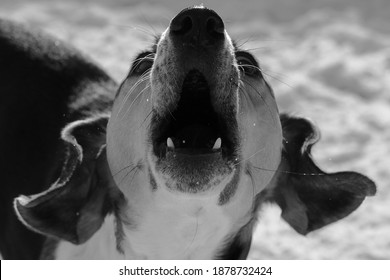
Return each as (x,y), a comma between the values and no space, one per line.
(194,127)
(195,114)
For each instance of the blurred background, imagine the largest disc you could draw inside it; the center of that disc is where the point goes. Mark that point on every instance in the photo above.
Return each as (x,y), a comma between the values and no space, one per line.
(328,60)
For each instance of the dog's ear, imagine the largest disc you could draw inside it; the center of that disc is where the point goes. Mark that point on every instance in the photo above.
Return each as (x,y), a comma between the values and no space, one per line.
(310,198)
(74,207)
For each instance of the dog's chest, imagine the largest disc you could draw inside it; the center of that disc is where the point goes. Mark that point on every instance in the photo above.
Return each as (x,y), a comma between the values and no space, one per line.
(179,230)
(164,230)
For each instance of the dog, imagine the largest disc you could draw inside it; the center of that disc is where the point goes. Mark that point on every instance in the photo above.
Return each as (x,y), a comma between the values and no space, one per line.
(174,163)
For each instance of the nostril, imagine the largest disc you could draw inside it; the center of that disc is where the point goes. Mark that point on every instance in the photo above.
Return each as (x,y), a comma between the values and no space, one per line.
(197,27)
(214,25)
(182,25)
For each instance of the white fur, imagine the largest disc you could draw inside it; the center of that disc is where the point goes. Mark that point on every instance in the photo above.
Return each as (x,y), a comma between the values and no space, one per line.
(102,245)
(175,228)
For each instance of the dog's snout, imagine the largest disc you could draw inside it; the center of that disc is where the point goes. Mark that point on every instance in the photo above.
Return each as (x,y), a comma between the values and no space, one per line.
(197,27)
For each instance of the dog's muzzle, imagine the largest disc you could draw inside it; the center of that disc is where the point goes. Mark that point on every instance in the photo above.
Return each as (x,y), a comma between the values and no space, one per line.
(194,129)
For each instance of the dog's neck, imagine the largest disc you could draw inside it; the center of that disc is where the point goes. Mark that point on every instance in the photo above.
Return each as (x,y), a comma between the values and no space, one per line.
(170,228)
(161,226)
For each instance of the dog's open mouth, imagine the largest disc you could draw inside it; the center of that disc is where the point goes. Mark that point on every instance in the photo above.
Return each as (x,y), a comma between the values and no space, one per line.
(195,146)
(193,127)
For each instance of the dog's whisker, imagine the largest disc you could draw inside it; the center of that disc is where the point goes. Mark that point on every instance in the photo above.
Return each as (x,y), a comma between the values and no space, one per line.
(144,77)
(277,79)
(134,169)
(136,62)
(170,112)
(132,178)
(242,66)
(242,86)
(289,172)
(262,97)
(266,72)
(151,111)
(122,169)
(156,34)
(255,49)
(137,28)
(128,93)
(266,44)
(251,156)
(148,115)
(239,45)
(135,99)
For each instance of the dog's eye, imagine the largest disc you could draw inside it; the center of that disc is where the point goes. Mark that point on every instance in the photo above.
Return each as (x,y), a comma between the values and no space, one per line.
(247,64)
(142,63)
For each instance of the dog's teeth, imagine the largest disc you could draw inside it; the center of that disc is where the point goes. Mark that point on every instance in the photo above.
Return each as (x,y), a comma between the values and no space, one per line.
(170,143)
(217,144)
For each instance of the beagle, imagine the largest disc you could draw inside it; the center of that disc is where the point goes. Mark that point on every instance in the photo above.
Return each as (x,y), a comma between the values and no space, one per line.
(172,164)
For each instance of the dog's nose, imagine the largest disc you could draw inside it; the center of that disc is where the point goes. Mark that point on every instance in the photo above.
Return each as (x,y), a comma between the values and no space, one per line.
(197,27)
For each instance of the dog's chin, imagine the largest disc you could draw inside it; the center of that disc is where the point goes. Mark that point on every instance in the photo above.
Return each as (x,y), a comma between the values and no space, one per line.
(192,171)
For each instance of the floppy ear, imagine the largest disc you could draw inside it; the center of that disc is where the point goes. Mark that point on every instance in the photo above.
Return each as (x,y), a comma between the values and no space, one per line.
(310,198)
(74,207)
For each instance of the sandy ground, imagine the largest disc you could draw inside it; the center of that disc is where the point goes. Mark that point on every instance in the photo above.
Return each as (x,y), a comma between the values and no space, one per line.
(327,60)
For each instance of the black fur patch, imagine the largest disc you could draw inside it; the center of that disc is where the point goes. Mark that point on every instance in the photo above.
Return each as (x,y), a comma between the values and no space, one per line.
(44,84)
(230,188)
